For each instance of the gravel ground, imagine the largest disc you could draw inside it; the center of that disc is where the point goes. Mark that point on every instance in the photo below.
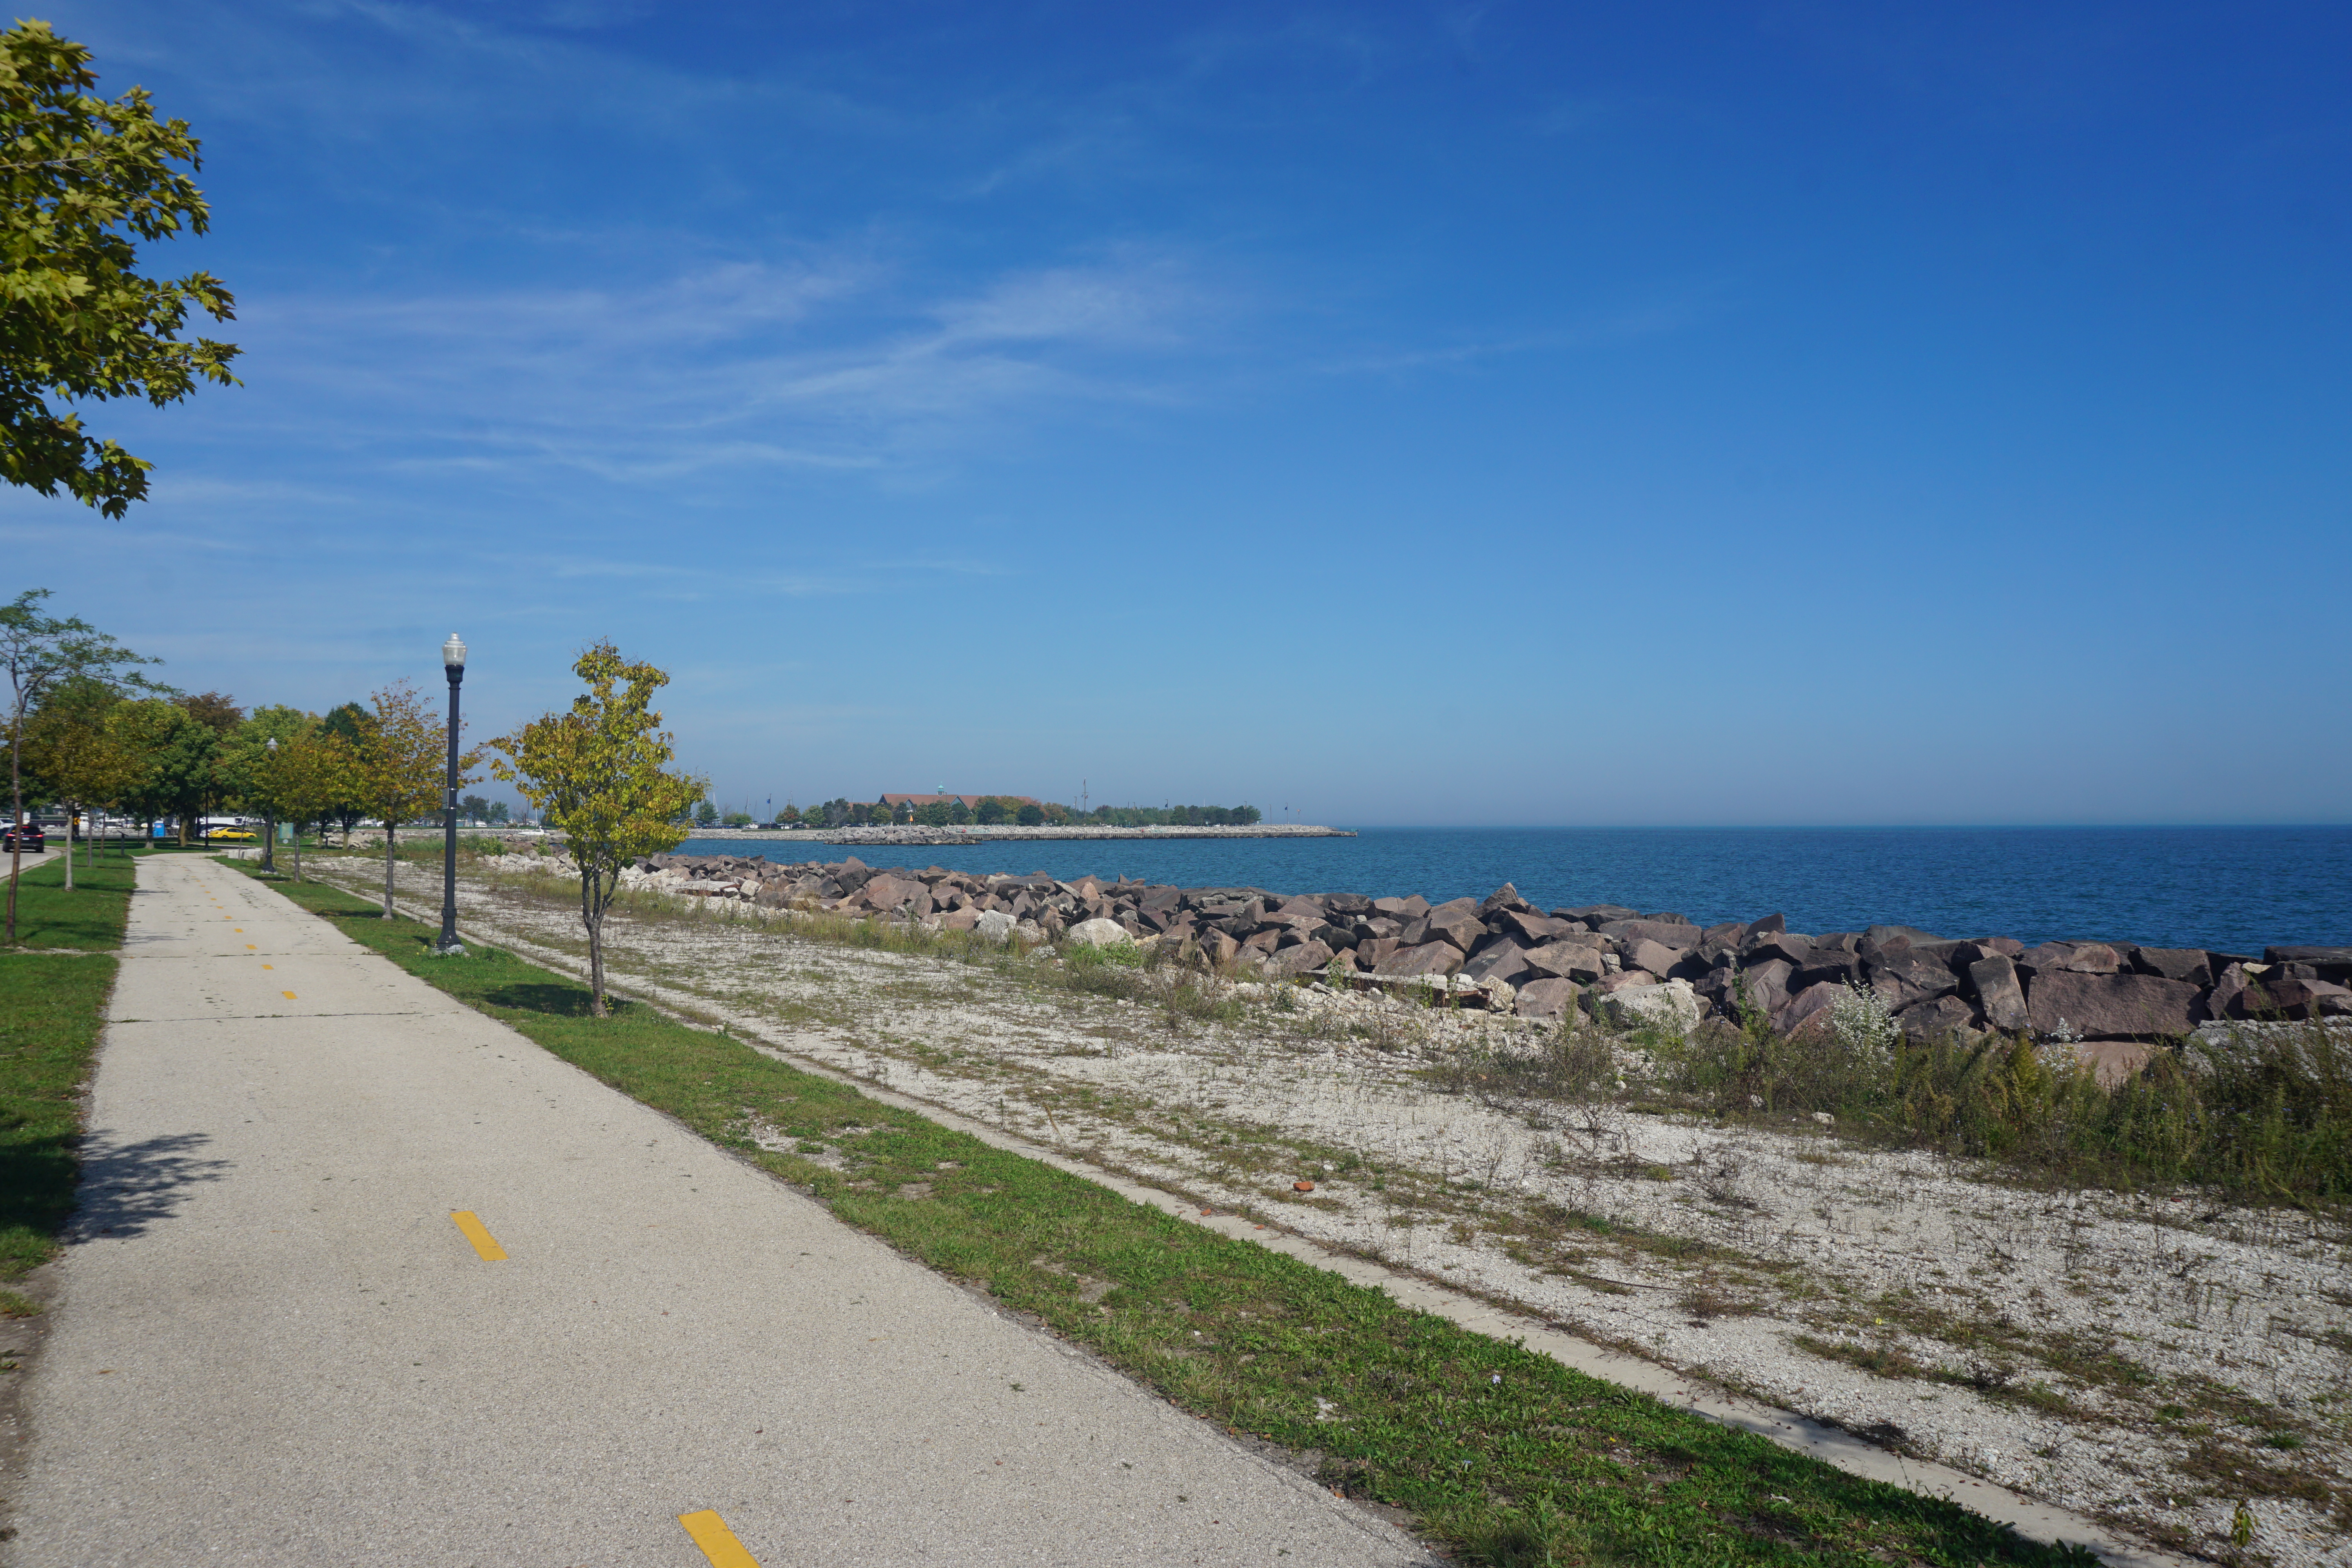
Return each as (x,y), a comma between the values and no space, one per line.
(2154,1359)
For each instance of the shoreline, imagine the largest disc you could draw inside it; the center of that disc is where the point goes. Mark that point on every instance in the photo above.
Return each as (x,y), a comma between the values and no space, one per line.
(1006,832)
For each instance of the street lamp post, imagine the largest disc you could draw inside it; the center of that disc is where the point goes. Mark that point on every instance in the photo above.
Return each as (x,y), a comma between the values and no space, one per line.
(269,817)
(453,664)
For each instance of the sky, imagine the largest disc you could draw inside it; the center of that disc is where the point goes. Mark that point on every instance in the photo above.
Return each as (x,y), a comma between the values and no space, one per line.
(1789,413)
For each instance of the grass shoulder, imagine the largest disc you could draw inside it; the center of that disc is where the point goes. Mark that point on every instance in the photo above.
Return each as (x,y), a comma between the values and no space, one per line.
(53,992)
(1504,1454)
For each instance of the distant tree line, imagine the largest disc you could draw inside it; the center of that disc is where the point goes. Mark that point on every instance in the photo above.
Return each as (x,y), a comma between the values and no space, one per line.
(989,811)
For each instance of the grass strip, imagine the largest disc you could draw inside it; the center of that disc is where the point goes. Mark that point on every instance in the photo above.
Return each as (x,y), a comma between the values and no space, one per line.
(52,1007)
(1506,1456)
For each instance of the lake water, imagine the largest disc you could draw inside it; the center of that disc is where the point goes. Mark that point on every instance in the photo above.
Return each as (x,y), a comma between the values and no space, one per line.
(2235,889)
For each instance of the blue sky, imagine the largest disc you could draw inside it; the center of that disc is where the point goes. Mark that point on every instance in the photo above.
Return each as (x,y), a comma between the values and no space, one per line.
(1785,413)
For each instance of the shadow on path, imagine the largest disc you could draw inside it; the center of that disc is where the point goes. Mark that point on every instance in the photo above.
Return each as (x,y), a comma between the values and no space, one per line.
(126,1188)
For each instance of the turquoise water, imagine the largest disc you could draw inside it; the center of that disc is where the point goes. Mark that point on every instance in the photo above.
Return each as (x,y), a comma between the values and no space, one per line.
(2231,889)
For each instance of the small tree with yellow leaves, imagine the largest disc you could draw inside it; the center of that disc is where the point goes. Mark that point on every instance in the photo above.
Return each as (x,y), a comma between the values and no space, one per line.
(598,772)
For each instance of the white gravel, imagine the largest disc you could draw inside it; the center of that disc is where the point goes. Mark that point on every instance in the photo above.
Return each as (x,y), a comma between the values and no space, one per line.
(2152,1359)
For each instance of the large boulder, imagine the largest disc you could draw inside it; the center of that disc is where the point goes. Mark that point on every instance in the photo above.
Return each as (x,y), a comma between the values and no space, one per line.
(1458,922)
(1547,998)
(1764,947)
(1101,933)
(1429,958)
(2111,1006)
(2192,964)
(1305,958)
(1668,1004)
(2000,997)
(1502,959)
(1941,1018)
(1567,961)
(1906,979)
(1676,934)
(1834,964)
(1807,1005)
(2281,996)
(1506,897)
(1645,952)
(2333,964)
(1532,928)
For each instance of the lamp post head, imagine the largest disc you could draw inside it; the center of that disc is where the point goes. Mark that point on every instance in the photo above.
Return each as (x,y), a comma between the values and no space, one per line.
(271,743)
(453,652)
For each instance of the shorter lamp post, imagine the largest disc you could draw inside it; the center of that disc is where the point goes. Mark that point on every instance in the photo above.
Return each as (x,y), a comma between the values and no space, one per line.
(453,664)
(269,819)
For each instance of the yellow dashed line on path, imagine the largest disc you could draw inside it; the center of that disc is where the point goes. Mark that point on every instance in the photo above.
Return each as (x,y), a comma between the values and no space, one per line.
(717,1543)
(289,996)
(488,1246)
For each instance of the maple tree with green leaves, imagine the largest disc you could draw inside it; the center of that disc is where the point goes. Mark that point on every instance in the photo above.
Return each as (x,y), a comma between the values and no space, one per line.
(83,180)
(599,774)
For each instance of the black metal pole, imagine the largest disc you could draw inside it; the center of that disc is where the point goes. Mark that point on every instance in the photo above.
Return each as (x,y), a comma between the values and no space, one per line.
(449,942)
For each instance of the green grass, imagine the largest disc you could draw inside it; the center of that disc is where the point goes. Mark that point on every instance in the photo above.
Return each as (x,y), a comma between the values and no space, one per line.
(1507,1456)
(52,1006)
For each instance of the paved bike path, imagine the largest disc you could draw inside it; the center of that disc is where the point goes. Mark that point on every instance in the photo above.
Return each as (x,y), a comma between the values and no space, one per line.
(272,1345)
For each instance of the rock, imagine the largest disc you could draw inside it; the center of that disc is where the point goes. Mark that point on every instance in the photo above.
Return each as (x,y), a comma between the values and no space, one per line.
(1669,1004)
(1806,1005)
(1402,910)
(1029,932)
(2289,996)
(1372,950)
(959,920)
(1910,936)
(1831,963)
(1767,924)
(1305,958)
(1676,934)
(2222,1002)
(1100,934)
(1644,952)
(1506,897)
(2000,994)
(1429,958)
(2111,1006)
(1768,987)
(1458,922)
(1502,959)
(1938,1019)
(2190,964)
(1220,948)
(1567,961)
(1532,928)
(1619,979)
(1546,998)
(1906,979)
(2093,958)
(1730,935)
(2333,964)
(1763,947)
(2114,1063)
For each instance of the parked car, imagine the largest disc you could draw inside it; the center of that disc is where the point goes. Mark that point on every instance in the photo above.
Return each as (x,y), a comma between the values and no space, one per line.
(35,838)
(219,835)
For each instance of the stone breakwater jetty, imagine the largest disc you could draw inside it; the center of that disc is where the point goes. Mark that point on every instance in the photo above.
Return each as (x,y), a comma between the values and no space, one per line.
(901,834)
(1631,968)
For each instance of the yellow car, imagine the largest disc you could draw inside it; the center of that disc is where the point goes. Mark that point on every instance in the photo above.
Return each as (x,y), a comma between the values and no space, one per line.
(216,834)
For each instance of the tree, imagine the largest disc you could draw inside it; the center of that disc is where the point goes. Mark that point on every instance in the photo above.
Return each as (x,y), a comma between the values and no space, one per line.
(248,772)
(81,181)
(599,772)
(77,751)
(155,733)
(706,814)
(403,766)
(353,723)
(497,814)
(40,652)
(307,777)
(474,809)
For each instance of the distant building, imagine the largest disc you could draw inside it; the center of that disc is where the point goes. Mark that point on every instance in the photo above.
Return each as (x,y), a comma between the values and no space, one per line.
(971,802)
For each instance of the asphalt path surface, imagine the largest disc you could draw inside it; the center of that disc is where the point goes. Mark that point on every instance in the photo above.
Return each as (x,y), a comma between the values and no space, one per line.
(276,1342)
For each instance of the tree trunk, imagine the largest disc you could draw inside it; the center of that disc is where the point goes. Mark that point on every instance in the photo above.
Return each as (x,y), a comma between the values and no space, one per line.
(16,815)
(70,815)
(593,917)
(270,844)
(298,851)
(387,867)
